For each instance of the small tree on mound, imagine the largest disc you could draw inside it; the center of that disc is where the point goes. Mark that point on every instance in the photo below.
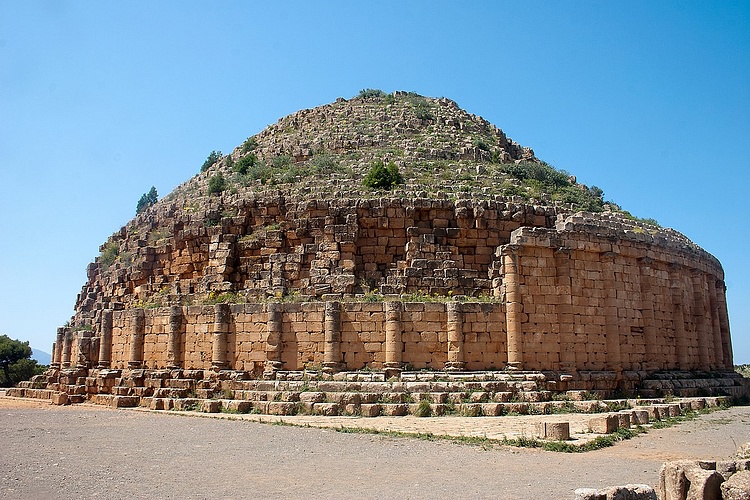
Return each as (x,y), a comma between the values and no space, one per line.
(213,157)
(147,200)
(383,176)
(216,184)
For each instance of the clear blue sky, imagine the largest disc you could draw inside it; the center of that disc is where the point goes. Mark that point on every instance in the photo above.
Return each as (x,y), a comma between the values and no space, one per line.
(101,100)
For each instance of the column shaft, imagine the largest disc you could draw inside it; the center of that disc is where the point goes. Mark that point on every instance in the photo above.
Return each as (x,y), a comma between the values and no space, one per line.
(699,316)
(455,326)
(564,309)
(332,337)
(393,336)
(653,356)
(715,328)
(726,340)
(136,338)
(513,308)
(221,332)
(105,340)
(57,354)
(612,324)
(273,340)
(66,347)
(174,340)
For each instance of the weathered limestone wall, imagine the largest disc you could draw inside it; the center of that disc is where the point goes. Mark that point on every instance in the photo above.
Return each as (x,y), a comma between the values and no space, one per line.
(591,299)
(593,293)
(333,336)
(270,246)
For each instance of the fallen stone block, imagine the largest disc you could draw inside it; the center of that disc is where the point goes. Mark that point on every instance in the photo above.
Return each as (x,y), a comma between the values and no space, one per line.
(639,416)
(604,424)
(627,492)
(674,409)
(689,480)
(736,487)
(653,412)
(556,431)
(623,419)
(697,404)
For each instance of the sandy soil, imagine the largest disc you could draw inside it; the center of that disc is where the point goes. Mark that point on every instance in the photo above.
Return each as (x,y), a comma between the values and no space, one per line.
(92,452)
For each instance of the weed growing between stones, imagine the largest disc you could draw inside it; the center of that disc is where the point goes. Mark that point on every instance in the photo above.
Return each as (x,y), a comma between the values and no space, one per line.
(424,409)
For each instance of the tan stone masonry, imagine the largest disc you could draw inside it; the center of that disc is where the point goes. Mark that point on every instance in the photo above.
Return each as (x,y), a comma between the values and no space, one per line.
(577,297)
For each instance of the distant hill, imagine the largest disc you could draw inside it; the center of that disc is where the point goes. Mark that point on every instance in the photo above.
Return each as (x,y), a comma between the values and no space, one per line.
(41,357)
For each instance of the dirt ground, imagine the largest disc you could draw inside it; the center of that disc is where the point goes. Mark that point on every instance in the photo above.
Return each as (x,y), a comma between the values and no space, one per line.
(88,451)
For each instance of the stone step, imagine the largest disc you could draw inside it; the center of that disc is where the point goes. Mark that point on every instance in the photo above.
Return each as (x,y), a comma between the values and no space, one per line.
(354,406)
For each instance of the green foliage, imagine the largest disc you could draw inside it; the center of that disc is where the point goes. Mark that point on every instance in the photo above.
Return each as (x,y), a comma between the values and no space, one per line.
(324,163)
(546,174)
(371,93)
(109,254)
(652,222)
(147,200)
(383,176)
(743,370)
(281,161)
(15,361)
(561,446)
(481,144)
(246,163)
(223,298)
(423,409)
(421,107)
(216,184)
(249,145)
(213,157)
(581,196)
(541,178)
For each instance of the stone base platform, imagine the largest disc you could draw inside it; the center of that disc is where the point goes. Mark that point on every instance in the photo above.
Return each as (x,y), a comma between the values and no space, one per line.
(369,394)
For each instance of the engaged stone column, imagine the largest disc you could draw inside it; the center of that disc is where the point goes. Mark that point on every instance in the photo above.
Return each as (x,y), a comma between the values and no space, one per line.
(455,326)
(612,324)
(67,345)
(332,338)
(647,312)
(724,325)
(105,340)
(699,316)
(273,341)
(58,347)
(136,338)
(394,346)
(715,328)
(513,308)
(564,309)
(174,339)
(221,332)
(678,317)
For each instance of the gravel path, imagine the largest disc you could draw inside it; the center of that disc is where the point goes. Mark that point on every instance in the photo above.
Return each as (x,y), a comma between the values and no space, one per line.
(92,452)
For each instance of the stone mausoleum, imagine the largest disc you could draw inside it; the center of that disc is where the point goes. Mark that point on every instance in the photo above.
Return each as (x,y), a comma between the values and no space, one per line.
(481,264)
